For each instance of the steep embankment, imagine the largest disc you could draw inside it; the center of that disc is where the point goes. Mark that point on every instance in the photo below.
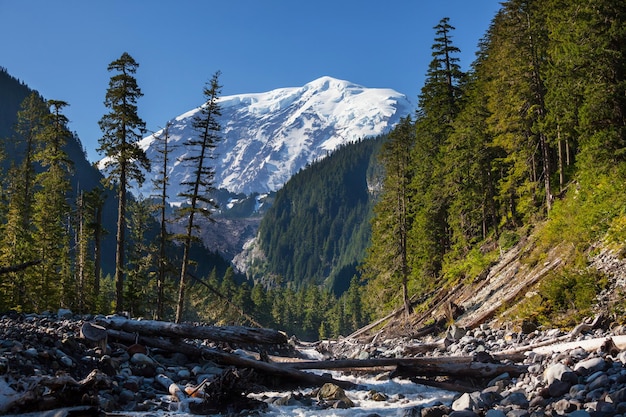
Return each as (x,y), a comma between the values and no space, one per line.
(498,292)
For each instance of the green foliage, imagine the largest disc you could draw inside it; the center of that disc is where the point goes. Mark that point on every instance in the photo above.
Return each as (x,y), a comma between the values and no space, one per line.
(542,109)
(386,266)
(571,291)
(469,267)
(198,187)
(591,209)
(318,226)
(122,129)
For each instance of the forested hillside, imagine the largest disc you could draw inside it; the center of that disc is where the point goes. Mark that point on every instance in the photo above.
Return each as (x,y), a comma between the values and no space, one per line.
(57,241)
(529,142)
(317,230)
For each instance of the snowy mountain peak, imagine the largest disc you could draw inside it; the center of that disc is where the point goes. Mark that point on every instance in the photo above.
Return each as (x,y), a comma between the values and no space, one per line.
(268,137)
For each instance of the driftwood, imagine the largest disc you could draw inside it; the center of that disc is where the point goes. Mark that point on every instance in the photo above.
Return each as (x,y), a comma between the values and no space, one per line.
(470,369)
(55,392)
(225,358)
(229,334)
(423,366)
(171,387)
(590,345)
(490,312)
(424,347)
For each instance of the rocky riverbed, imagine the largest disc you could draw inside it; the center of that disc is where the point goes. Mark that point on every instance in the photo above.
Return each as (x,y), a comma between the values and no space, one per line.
(46,364)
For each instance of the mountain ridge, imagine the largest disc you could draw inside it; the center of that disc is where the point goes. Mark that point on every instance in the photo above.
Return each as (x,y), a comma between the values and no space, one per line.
(267,137)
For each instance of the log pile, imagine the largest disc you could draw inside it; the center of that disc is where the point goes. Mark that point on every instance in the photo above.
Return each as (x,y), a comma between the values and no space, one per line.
(117,364)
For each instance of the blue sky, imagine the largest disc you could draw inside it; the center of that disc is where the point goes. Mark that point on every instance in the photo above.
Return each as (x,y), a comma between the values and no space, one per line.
(62,47)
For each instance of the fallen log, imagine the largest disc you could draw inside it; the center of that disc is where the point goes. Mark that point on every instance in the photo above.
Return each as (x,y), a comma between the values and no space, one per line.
(229,334)
(590,345)
(377,362)
(225,358)
(471,369)
(551,345)
(424,347)
(487,314)
(423,366)
(172,388)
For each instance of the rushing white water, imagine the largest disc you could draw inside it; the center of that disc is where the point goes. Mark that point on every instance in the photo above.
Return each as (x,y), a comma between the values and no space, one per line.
(401,395)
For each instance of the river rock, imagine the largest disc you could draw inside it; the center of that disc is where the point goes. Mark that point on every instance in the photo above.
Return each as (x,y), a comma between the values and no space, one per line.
(589,366)
(334,393)
(599,382)
(434,411)
(558,388)
(463,413)
(141,359)
(515,399)
(579,413)
(495,413)
(556,372)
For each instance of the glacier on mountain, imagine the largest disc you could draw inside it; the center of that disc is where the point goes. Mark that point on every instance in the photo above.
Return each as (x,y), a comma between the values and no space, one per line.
(268,137)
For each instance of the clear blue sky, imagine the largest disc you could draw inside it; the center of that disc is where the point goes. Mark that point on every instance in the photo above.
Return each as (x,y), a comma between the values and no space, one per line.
(62,47)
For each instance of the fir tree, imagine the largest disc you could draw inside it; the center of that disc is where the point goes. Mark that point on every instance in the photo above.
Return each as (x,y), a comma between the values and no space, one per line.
(93,202)
(161,183)
(438,106)
(386,266)
(199,186)
(122,128)
(17,240)
(139,286)
(53,287)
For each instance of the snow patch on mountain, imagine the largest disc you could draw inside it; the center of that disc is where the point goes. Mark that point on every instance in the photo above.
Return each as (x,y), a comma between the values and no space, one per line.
(268,137)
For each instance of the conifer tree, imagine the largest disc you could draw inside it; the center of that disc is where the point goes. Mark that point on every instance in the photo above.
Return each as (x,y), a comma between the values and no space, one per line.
(139,286)
(122,128)
(161,183)
(386,266)
(596,48)
(54,287)
(438,106)
(17,240)
(200,185)
(515,94)
(81,244)
(469,182)
(94,206)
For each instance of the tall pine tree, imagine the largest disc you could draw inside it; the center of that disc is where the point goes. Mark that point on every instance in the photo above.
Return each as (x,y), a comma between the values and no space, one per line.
(17,240)
(438,106)
(122,128)
(200,184)
(386,267)
(53,287)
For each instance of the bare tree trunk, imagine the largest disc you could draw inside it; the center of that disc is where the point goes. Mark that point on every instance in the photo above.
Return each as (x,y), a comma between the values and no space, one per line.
(232,334)
(219,356)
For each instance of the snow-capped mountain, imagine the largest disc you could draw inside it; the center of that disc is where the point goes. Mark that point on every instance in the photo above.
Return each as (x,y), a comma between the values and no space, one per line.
(268,137)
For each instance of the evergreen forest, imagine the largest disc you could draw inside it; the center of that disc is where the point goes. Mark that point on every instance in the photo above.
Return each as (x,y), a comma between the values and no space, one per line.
(529,141)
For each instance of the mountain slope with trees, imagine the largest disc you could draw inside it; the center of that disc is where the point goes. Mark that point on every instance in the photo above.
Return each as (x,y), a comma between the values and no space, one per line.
(528,146)
(317,229)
